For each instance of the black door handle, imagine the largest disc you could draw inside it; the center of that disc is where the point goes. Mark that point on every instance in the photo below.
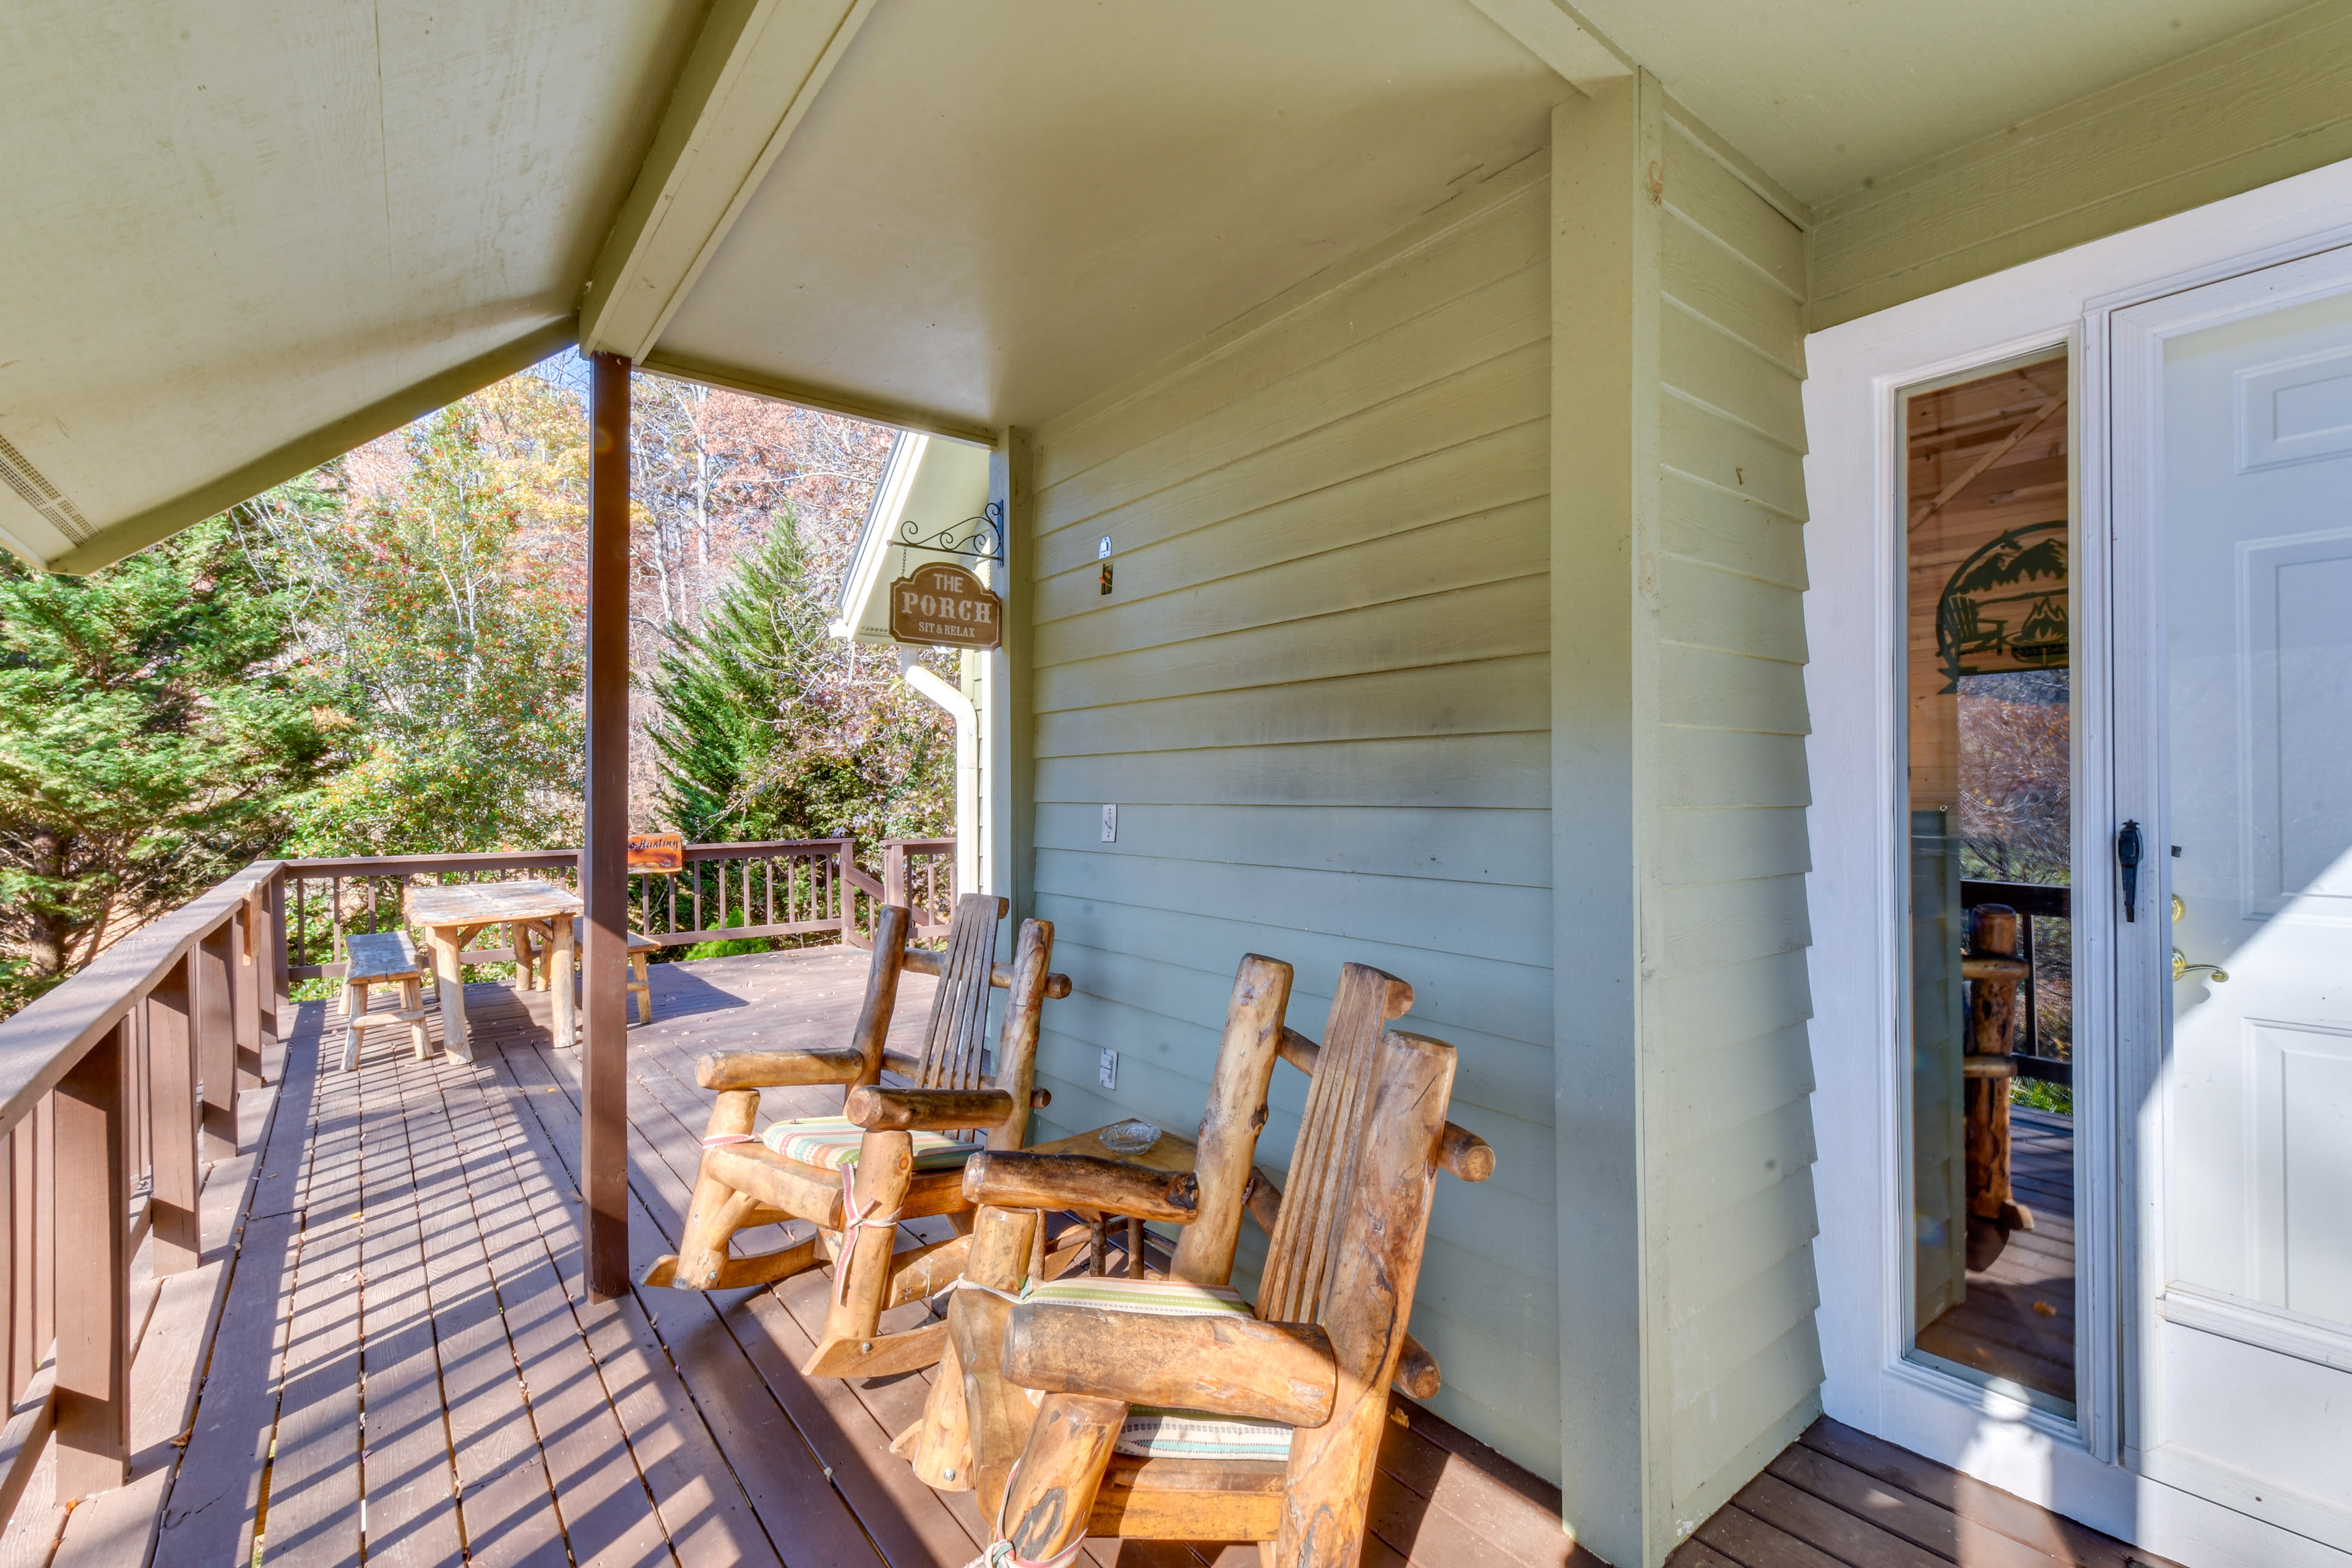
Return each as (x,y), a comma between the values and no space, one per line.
(2128,853)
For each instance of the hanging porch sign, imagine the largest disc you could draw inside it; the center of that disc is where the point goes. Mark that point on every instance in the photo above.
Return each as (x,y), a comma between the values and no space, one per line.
(656,852)
(945,607)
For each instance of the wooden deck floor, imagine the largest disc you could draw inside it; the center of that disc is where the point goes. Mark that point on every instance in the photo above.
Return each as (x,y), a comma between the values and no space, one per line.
(2018,1321)
(407,1372)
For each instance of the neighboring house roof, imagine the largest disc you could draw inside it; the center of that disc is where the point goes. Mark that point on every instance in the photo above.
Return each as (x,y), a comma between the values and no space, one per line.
(933,489)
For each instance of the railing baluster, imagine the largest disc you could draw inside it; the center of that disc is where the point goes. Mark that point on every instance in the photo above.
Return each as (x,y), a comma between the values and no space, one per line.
(217,967)
(173,1009)
(93,1284)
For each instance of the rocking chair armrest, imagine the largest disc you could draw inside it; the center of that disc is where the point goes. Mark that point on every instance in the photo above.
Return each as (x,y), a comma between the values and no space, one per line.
(879,1109)
(777,1069)
(923,961)
(1010,1179)
(1225,1365)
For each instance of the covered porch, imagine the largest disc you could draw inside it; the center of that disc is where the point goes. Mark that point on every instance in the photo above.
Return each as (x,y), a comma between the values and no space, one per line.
(383,1346)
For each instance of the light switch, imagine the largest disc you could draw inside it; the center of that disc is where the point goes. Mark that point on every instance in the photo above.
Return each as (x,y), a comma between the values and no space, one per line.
(1110,825)
(1109,1074)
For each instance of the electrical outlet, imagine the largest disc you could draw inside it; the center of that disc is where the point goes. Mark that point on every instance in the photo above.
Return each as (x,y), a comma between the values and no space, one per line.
(1110,825)
(1109,1074)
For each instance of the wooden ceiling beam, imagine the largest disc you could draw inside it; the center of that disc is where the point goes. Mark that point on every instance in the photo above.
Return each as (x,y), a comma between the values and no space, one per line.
(1555,34)
(756,68)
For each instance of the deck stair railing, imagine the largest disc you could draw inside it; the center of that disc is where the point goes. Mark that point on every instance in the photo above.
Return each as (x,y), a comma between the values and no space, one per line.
(118,1086)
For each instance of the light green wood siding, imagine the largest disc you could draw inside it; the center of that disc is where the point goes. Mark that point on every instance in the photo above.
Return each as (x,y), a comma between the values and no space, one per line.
(1730,1118)
(2275,101)
(1319,697)
(1685,1208)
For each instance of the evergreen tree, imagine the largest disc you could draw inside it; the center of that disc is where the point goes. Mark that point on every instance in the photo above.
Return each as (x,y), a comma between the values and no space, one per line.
(151,725)
(763,732)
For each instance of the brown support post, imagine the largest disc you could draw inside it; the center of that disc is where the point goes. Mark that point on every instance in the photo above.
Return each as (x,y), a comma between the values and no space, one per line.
(217,967)
(93,1310)
(604,856)
(175,1020)
(248,974)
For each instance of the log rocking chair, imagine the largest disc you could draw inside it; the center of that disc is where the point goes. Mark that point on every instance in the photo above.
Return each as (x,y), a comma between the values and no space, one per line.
(1171,1409)
(893,1155)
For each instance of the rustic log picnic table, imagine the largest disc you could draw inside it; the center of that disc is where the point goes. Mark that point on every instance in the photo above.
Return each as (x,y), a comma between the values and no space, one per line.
(451,915)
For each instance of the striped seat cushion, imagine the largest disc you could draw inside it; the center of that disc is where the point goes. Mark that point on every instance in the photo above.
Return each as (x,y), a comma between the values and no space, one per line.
(829,1142)
(1151,1298)
(1151,1433)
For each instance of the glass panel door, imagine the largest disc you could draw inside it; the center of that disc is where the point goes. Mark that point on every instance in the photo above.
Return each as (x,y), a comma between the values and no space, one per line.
(1990,708)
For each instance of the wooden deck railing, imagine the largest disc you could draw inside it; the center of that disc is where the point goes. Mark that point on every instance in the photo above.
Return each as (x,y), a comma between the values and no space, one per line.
(115,1088)
(798,887)
(2031,901)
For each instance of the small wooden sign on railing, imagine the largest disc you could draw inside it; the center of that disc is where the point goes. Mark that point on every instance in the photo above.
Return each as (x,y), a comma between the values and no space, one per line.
(656,852)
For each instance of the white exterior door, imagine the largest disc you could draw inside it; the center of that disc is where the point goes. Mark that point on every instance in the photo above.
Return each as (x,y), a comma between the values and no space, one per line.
(2234,685)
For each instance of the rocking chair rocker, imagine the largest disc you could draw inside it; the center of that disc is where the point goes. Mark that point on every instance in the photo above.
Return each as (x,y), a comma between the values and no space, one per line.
(894,1154)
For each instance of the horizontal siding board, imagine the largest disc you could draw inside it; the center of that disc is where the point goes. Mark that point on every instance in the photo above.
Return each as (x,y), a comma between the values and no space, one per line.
(1490,470)
(1495,620)
(1694,440)
(1511,925)
(1507,313)
(1723,1006)
(1708,1344)
(1710,282)
(1731,531)
(1703,1093)
(1719,1251)
(1731,922)
(1702,606)
(1461,552)
(1705,768)
(1450,989)
(1732,845)
(1704,364)
(1469,771)
(1491,845)
(1753,1397)
(1705,194)
(1496,697)
(1741,1161)
(1506,235)
(1713,689)
(1499,1078)
(1505,391)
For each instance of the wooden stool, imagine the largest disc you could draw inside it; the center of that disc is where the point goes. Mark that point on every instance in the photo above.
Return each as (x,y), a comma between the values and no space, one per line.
(385,958)
(542,964)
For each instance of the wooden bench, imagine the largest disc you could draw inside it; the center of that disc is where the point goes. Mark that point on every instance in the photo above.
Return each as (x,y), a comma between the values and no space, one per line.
(383,958)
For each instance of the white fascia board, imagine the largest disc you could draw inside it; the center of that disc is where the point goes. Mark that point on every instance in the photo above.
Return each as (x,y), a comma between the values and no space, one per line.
(1557,34)
(863,578)
(756,68)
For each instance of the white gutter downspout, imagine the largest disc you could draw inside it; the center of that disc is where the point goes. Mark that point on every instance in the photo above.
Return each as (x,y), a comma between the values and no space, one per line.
(967,744)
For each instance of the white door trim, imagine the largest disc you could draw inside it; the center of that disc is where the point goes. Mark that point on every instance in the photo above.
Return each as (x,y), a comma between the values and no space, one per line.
(1852,685)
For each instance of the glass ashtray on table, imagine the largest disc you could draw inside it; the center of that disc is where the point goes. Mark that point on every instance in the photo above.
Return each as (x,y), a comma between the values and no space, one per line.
(1129,1137)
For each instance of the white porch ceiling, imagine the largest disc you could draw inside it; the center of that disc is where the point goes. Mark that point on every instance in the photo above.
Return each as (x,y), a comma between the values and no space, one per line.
(992,211)
(1824,94)
(232,224)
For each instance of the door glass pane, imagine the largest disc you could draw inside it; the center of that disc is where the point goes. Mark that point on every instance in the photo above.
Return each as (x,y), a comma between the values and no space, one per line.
(1990,704)
(2257,584)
